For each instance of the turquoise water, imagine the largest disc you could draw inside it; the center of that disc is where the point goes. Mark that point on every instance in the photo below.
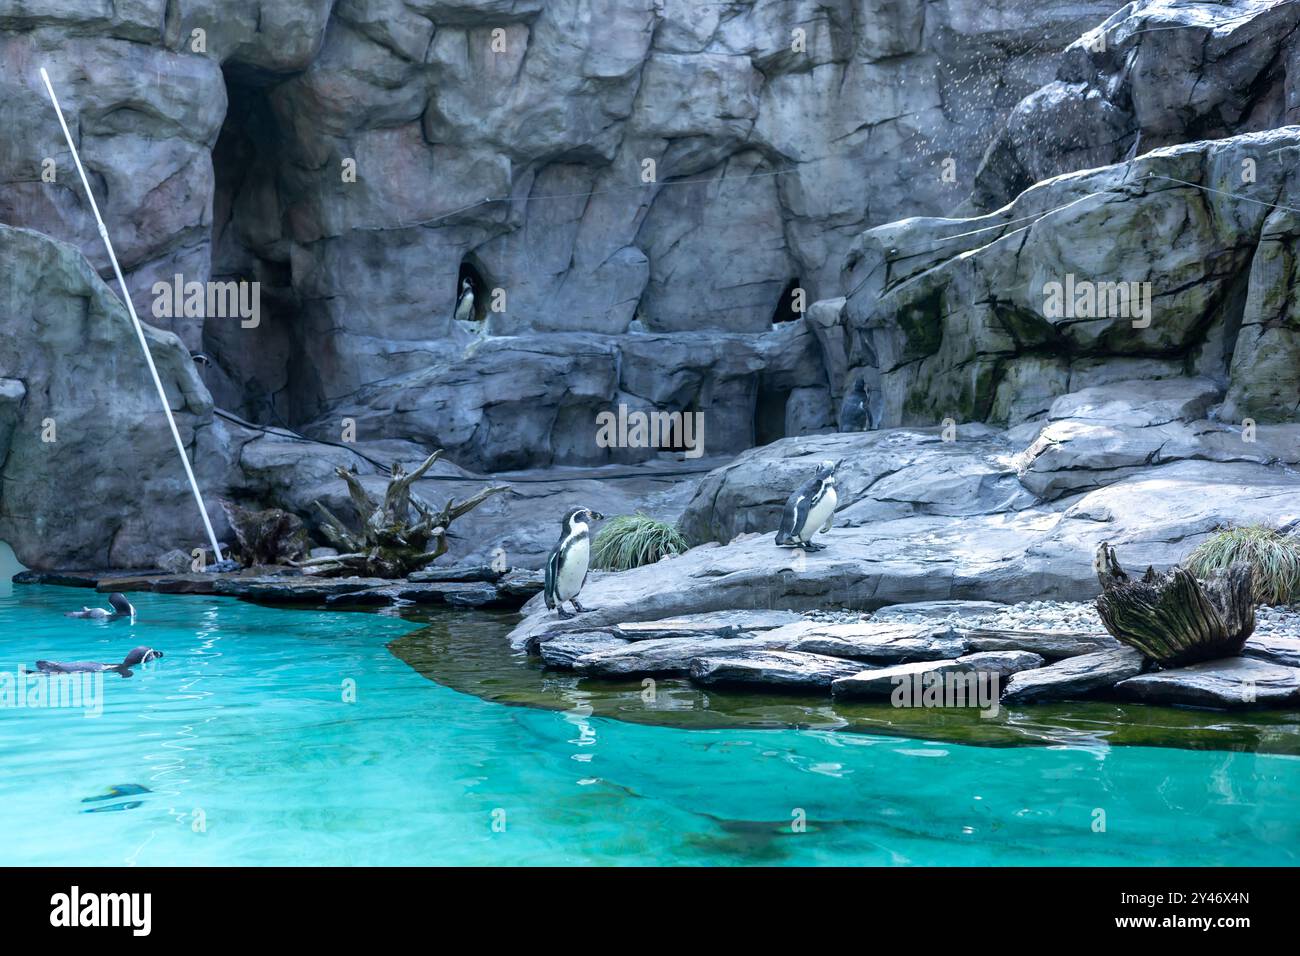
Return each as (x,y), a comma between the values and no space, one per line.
(251,755)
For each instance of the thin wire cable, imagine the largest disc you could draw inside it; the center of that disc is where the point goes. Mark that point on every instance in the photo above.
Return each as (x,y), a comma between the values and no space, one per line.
(494,476)
(1221,192)
(135,320)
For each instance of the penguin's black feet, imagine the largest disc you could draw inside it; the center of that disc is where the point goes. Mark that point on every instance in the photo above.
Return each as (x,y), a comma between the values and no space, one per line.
(578,607)
(562,612)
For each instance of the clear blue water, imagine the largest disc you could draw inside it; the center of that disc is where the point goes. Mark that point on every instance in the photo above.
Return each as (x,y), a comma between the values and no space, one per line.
(243,728)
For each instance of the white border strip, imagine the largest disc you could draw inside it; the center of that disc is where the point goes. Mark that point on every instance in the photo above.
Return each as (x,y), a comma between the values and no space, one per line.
(139,330)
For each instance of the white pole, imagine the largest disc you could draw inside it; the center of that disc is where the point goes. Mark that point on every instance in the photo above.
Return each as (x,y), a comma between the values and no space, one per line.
(139,330)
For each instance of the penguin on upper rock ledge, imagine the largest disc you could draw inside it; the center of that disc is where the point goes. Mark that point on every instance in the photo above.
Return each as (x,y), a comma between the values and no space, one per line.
(809,510)
(465,301)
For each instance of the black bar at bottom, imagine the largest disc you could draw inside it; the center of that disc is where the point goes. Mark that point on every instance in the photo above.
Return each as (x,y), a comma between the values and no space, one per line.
(331,906)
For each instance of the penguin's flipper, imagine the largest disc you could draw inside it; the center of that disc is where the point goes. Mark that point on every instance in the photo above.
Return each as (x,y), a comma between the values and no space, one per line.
(827,526)
(787,532)
(552,573)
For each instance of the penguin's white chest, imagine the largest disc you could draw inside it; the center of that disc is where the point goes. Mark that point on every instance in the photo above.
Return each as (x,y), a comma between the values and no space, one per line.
(573,568)
(465,308)
(820,513)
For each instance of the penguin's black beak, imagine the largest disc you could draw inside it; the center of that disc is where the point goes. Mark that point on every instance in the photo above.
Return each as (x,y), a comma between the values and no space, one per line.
(596,516)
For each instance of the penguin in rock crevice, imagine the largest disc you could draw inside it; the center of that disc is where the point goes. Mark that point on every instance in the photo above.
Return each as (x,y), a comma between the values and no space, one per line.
(465,302)
(809,510)
(566,569)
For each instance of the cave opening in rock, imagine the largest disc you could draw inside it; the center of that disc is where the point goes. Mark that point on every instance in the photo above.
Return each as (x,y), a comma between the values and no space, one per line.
(769,415)
(471,270)
(789,306)
(252,371)
(689,428)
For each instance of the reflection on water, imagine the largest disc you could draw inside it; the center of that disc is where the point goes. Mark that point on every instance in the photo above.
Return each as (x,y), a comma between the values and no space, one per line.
(468,652)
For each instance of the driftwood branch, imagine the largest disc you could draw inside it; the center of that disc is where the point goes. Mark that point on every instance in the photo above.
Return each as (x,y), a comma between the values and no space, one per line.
(401,534)
(1174,618)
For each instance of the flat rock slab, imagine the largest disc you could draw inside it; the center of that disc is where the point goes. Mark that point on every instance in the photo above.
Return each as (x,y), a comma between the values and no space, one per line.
(881,682)
(714,624)
(1228,683)
(567,648)
(474,572)
(1002,663)
(1054,645)
(521,585)
(1274,648)
(295,589)
(672,655)
(772,669)
(884,642)
(722,624)
(1075,677)
(941,610)
(161,583)
(67,579)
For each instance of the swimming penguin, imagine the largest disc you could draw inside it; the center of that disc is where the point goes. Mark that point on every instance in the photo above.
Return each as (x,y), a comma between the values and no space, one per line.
(465,302)
(809,510)
(137,655)
(121,608)
(566,569)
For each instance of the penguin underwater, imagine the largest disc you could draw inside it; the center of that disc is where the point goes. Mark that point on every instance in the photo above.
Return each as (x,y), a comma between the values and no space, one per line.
(137,655)
(121,608)
(566,569)
(809,510)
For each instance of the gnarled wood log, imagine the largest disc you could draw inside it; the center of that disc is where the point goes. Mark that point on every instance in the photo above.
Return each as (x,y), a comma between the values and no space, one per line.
(392,541)
(1175,618)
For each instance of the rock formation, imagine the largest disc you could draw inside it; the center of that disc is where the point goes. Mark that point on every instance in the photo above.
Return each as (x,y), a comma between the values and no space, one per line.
(340,154)
(359,159)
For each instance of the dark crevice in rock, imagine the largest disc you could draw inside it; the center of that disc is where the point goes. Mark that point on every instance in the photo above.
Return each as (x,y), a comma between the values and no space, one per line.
(255,372)
(786,310)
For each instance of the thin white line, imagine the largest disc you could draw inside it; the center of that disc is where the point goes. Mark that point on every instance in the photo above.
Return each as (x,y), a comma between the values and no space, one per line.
(1221,192)
(139,329)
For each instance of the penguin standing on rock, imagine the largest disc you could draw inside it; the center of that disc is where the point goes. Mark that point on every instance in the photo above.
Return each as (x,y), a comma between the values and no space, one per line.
(566,570)
(809,510)
(465,301)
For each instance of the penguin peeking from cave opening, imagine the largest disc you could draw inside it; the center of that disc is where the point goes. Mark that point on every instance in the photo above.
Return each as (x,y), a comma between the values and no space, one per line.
(471,298)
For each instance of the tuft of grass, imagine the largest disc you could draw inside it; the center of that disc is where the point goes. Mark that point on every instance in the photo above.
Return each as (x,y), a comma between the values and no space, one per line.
(1274,557)
(630,541)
